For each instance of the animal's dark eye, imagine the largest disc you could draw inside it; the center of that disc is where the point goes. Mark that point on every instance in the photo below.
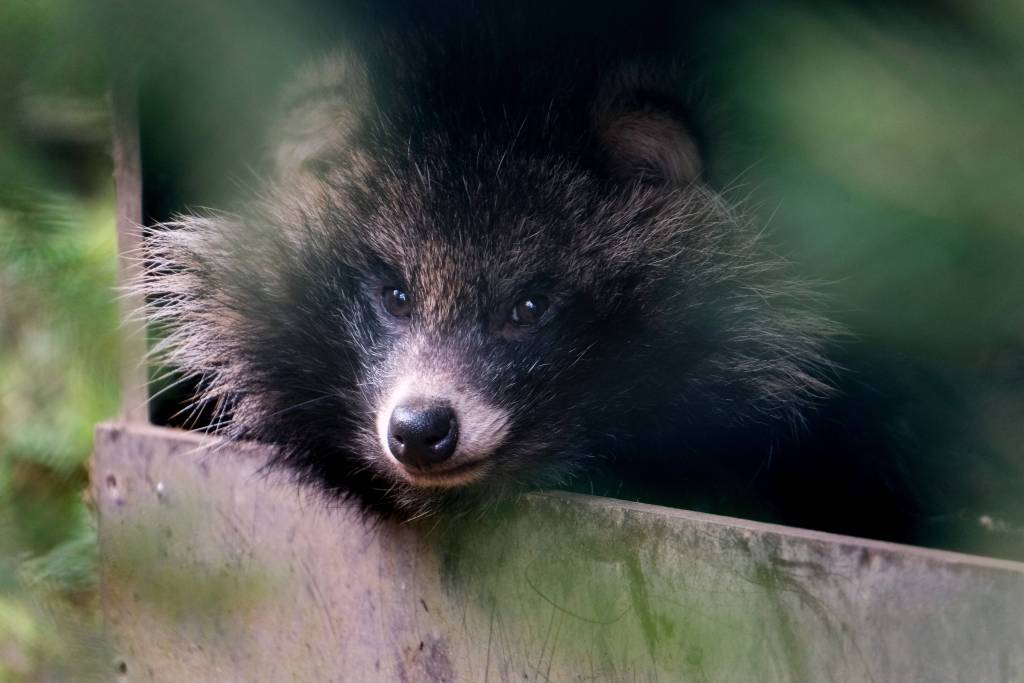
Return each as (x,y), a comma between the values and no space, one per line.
(529,310)
(396,301)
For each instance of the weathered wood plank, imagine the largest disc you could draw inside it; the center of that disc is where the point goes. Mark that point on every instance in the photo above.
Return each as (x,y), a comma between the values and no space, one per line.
(128,184)
(213,571)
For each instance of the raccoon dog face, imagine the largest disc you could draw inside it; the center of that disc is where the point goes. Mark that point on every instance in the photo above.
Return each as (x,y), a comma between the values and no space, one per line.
(457,290)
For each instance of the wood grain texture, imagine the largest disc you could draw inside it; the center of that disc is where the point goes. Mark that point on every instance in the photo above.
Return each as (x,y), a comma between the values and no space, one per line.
(215,571)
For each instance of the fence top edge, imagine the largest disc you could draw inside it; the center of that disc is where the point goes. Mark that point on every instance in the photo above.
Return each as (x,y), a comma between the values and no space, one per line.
(946,558)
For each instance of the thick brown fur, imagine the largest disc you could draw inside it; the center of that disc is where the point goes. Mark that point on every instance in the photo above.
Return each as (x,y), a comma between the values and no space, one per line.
(410,165)
(680,360)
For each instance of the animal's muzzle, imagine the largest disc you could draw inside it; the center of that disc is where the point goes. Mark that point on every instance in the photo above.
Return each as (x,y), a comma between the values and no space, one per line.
(421,435)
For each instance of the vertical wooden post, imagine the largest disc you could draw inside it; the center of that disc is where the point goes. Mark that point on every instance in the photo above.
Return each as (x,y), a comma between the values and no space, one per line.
(128,183)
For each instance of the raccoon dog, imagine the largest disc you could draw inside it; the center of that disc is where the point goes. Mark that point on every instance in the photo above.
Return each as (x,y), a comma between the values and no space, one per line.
(474,272)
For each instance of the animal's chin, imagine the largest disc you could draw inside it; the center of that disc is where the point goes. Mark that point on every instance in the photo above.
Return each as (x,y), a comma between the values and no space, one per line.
(456,476)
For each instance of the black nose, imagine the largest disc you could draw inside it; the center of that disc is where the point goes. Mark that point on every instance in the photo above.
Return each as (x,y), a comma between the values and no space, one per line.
(422,435)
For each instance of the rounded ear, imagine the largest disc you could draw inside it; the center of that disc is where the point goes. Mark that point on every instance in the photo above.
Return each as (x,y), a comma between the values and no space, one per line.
(319,113)
(643,133)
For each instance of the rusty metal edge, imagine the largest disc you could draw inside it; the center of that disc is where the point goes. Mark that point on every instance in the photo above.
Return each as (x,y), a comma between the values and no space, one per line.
(943,557)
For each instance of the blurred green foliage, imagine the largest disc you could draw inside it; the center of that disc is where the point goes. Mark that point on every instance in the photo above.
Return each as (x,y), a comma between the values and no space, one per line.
(887,145)
(58,335)
(882,144)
